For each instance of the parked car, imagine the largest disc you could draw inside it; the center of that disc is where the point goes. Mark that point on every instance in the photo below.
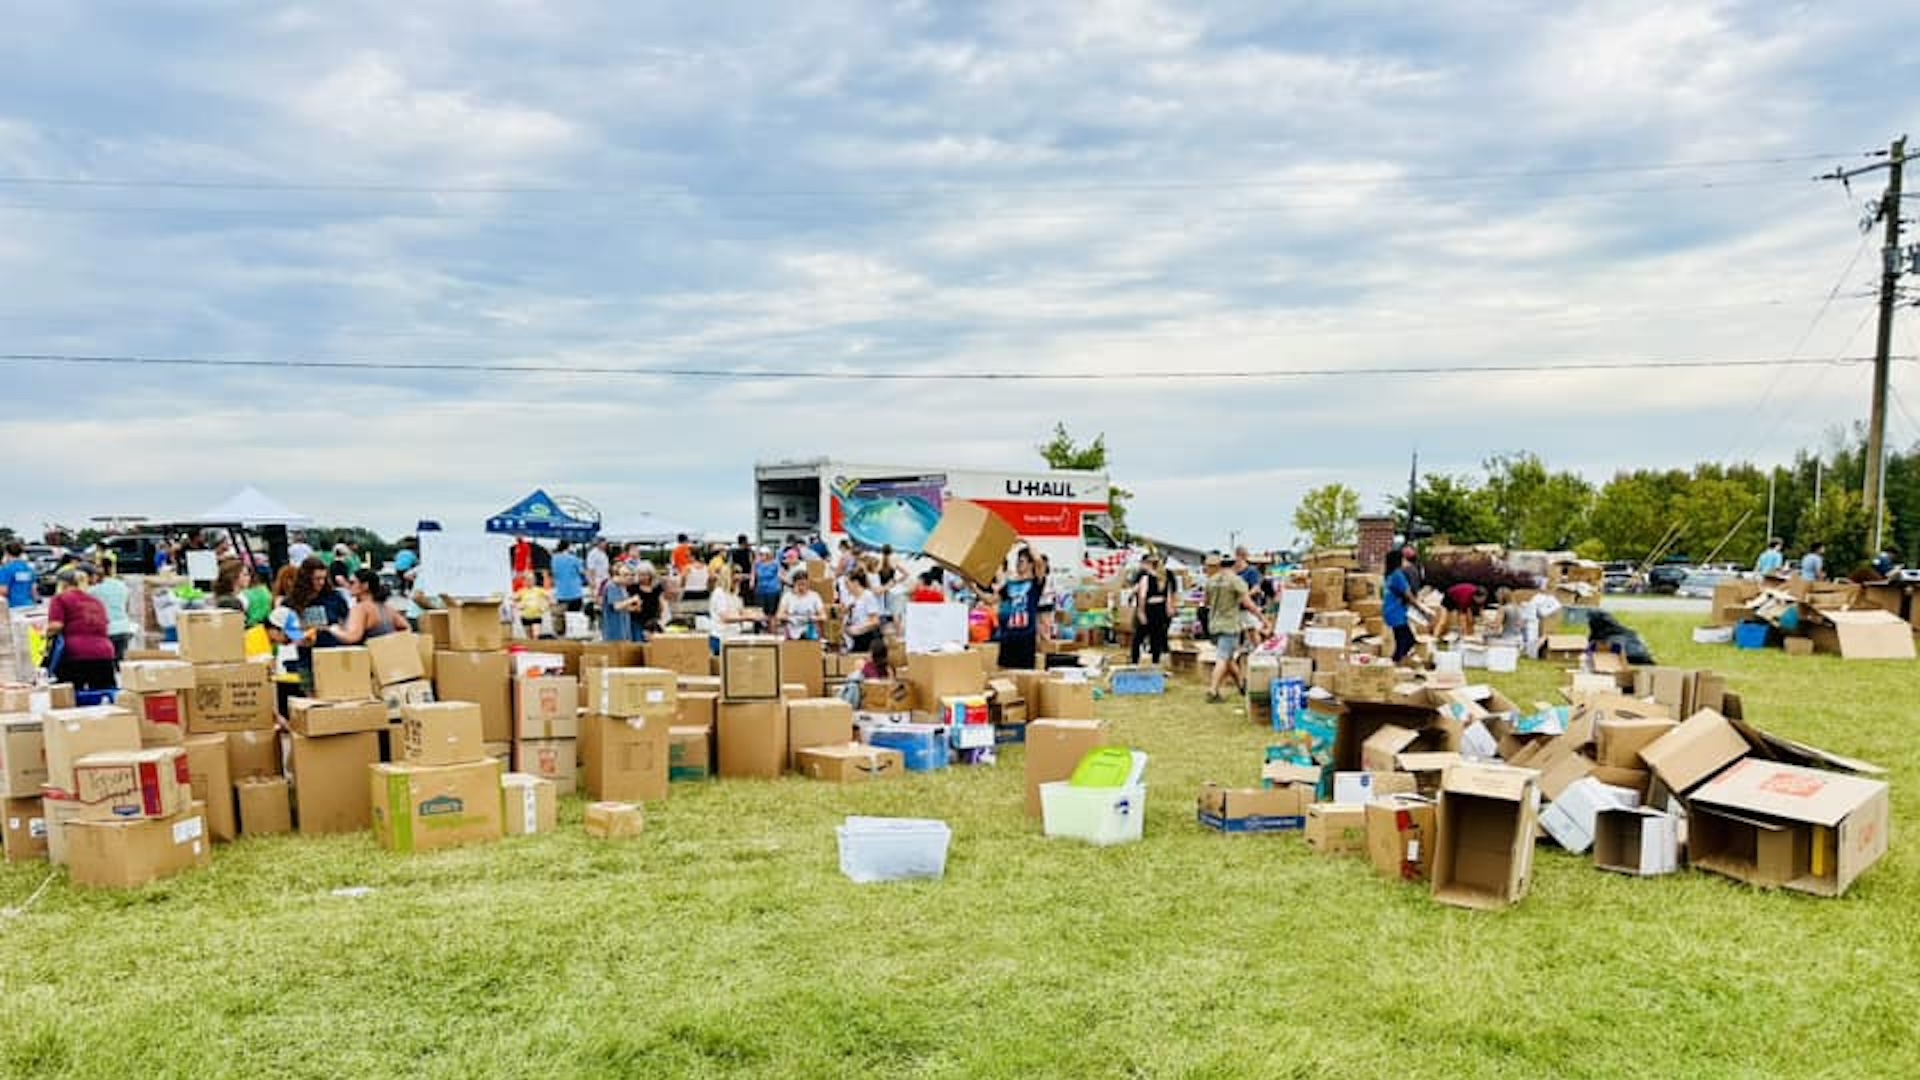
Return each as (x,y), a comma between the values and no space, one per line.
(1667,579)
(1618,577)
(1701,583)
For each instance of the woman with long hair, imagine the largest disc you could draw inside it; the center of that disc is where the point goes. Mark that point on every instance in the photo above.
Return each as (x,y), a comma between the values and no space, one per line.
(371,616)
(1153,609)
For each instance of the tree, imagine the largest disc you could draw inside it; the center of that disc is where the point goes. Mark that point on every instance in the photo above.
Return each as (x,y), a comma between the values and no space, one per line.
(1327,516)
(1709,513)
(1536,509)
(1840,522)
(1061,452)
(1451,507)
(1633,511)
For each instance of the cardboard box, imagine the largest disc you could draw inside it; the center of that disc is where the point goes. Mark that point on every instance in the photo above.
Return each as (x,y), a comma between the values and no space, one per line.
(1254,810)
(472,626)
(530,804)
(750,669)
(398,658)
(690,752)
(547,707)
(208,770)
(1618,740)
(1359,788)
(1863,635)
(437,623)
(1382,751)
(971,541)
(886,695)
(1787,826)
(1065,699)
(697,709)
(817,722)
(25,829)
(804,662)
(1400,835)
(753,739)
(156,676)
(1637,840)
(233,697)
(266,805)
(1054,749)
(934,676)
(424,807)
(1693,751)
(23,756)
(553,760)
(442,733)
(1797,646)
(212,636)
(652,693)
(342,674)
(129,854)
(71,734)
(308,716)
(162,714)
(330,781)
(36,700)
(1569,819)
(124,784)
(631,759)
(682,654)
(1333,829)
(419,692)
(481,678)
(849,763)
(614,820)
(58,813)
(1483,836)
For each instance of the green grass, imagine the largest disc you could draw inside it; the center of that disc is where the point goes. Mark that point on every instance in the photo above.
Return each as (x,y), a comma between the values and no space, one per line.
(725,942)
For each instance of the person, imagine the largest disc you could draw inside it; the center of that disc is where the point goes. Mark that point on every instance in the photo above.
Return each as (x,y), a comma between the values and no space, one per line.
(682,556)
(1228,597)
(1513,617)
(696,583)
(982,622)
(256,600)
(406,563)
(864,611)
(569,578)
(226,586)
(742,556)
(1020,596)
(599,569)
(114,596)
(1813,565)
(1152,609)
(83,654)
(317,605)
(532,604)
(1886,562)
(1771,559)
(929,590)
(1464,601)
(1416,573)
(801,611)
(817,547)
(343,553)
(371,616)
(616,604)
(766,581)
(727,614)
(1397,601)
(19,576)
(650,613)
(877,665)
(298,551)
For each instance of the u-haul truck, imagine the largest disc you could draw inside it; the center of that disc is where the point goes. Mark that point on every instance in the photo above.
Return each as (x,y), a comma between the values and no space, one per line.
(1063,515)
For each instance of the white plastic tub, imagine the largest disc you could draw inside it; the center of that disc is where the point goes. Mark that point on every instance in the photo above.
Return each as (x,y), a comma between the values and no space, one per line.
(1096,815)
(893,849)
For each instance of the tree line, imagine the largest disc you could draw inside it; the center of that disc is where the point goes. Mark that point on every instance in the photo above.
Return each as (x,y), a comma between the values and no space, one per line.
(1710,510)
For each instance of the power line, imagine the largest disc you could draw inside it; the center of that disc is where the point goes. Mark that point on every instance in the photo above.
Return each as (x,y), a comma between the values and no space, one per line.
(174,183)
(829,375)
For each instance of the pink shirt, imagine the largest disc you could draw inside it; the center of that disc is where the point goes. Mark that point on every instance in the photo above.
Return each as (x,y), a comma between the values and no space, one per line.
(83,626)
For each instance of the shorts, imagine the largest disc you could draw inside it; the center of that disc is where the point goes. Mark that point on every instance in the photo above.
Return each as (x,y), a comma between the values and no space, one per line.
(1226,646)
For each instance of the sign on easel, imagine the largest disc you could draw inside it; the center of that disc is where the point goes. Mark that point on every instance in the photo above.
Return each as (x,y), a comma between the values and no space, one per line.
(465,565)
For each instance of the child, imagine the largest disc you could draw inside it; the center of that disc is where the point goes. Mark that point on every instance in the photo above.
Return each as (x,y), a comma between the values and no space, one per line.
(532,603)
(982,622)
(877,666)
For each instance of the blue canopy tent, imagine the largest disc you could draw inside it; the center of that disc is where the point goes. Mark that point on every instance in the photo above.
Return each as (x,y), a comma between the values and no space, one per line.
(540,516)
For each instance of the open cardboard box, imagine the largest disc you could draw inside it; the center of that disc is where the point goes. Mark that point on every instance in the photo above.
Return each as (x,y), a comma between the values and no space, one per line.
(1786,826)
(1484,835)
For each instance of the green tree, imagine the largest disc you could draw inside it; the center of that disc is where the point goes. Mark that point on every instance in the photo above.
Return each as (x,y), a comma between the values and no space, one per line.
(1451,507)
(1633,511)
(1061,452)
(1536,509)
(1328,516)
(1723,514)
(1840,522)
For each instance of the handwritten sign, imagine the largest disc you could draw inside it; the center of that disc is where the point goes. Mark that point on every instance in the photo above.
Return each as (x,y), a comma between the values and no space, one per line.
(464,565)
(931,626)
(202,566)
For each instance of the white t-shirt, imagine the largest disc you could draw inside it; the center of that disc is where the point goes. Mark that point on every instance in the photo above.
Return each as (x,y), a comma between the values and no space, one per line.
(298,552)
(803,614)
(719,609)
(869,606)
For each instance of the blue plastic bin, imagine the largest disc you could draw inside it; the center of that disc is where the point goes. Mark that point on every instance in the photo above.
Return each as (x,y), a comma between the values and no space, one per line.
(1752,635)
(1139,682)
(923,745)
(86,698)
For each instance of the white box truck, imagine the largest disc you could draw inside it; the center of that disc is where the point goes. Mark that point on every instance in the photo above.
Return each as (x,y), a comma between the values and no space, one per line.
(1061,514)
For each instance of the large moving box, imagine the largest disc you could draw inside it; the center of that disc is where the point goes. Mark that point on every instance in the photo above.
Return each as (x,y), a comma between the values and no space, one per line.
(330,781)
(423,807)
(128,854)
(482,678)
(1484,836)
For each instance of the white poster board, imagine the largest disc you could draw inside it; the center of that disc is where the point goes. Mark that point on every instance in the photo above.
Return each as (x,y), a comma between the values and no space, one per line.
(465,564)
(202,566)
(1293,609)
(931,626)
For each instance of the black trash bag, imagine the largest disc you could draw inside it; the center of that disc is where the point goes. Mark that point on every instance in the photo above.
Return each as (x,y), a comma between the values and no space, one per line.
(1608,633)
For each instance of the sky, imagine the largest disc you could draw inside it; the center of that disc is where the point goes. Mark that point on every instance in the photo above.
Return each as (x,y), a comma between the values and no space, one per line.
(665,218)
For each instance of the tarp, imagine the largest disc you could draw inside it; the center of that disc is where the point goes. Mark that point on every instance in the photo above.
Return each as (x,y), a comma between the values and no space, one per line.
(539,516)
(251,508)
(644,527)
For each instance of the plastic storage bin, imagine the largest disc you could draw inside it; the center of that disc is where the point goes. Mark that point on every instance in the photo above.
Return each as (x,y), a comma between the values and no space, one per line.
(1139,682)
(1100,816)
(923,745)
(893,849)
(1751,635)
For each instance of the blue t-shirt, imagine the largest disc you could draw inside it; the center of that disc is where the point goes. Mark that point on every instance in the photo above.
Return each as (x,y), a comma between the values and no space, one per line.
(614,625)
(569,577)
(1770,560)
(766,578)
(1393,605)
(19,577)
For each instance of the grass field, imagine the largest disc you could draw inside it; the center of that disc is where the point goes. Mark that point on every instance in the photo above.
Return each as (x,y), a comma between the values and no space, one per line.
(725,942)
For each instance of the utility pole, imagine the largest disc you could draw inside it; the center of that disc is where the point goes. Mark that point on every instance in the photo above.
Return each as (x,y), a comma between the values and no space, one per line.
(1413,470)
(1890,254)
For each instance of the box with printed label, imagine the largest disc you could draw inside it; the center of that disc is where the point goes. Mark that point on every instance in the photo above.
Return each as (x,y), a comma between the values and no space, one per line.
(424,807)
(1254,810)
(547,707)
(115,784)
(266,805)
(212,636)
(128,854)
(652,693)
(309,716)
(850,763)
(1400,836)
(231,697)
(25,837)
(342,674)
(750,669)
(555,760)
(690,752)
(531,804)
(72,734)
(1777,825)
(441,733)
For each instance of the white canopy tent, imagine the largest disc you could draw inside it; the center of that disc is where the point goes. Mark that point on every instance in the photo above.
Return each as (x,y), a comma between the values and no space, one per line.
(251,508)
(645,528)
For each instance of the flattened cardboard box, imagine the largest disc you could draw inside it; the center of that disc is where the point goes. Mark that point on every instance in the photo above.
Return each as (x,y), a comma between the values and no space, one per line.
(424,807)
(850,763)
(1779,825)
(1254,810)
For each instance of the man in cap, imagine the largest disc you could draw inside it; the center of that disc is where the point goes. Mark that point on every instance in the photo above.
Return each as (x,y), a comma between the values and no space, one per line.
(1227,598)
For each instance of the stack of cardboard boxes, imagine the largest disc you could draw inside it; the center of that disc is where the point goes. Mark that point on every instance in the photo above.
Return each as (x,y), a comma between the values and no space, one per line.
(116,814)
(752,715)
(337,733)
(228,711)
(546,727)
(628,742)
(444,790)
